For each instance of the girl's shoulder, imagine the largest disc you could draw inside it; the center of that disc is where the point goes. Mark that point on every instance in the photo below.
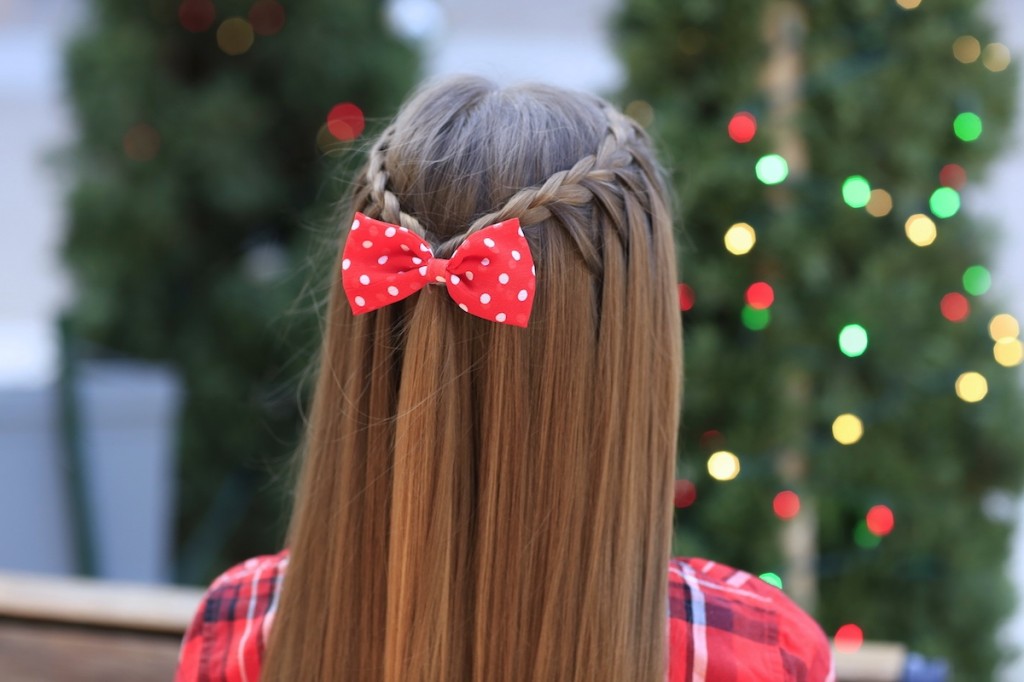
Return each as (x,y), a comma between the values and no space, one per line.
(228,635)
(726,624)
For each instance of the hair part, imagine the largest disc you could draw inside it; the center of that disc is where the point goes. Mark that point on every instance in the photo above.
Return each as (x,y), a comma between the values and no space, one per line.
(483,502)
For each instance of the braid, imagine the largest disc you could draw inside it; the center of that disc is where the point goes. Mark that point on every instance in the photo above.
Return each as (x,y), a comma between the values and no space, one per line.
(383,201)
(592,175)
(600,178)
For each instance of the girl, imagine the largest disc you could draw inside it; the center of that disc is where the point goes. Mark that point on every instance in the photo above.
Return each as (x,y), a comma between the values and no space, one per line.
(487,479)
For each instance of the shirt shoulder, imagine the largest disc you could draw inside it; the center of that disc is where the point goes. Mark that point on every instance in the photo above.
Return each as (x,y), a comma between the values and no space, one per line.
(726,624)
(228,634)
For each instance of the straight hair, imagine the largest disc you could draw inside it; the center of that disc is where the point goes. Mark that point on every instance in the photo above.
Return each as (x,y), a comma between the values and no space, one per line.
(478,501)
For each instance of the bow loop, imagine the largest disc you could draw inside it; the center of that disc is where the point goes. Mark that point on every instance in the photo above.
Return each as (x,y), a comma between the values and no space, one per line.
(491,274)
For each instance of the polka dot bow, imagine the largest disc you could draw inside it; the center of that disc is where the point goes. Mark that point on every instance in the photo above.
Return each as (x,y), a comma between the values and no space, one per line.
(490,275)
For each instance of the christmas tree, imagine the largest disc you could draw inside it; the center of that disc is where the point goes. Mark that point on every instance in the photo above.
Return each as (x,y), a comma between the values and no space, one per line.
(213,142)
(853,407)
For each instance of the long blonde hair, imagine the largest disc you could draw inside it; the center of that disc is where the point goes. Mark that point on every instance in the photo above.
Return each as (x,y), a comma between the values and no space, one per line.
(478,501)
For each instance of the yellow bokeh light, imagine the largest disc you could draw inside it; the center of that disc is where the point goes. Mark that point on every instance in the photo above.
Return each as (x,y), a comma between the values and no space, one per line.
(1003,326)
(966,49)
(740,239)
(880,203)
(971,387)
(908,4)
(996,57)
(1009,352)
(723,465)
(640,111)
(847,429)
(235,36)
(920,229)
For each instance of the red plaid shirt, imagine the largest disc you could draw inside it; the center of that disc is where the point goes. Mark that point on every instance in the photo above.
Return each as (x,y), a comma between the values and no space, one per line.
(725,625)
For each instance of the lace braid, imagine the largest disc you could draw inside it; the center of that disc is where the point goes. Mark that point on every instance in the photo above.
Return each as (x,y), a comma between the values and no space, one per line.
(383,201)
(607,168)
(601,178)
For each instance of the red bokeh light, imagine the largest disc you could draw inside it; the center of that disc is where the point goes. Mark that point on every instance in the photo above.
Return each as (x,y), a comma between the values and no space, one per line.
(686,297)
(953,175)
(760,295)
(786,504)
(880,520)
(345,121)
(742,127)
(849,638)
(196,15)
(955,307)
(686,493)
(266,17)
(712,439)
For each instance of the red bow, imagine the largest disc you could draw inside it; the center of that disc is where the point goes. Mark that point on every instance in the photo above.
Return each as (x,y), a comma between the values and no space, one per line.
(490,275)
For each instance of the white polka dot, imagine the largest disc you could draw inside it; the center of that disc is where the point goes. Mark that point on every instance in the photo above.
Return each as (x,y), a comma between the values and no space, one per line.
(503,278)
(404,229)
(393,291)
(423,271)
(520,231)
(416,261)
(355,225)
(390,232)
(485,262)
(404,247)
(515,254)
(533,269)
(439,278)
(468,275)
(382,260)
(485,298)
(489,242)
(464,307)
(500,317)
(367,244)
(360,301)
(454,279)
(364,279)
(522,295)
(424,248)
(346,264)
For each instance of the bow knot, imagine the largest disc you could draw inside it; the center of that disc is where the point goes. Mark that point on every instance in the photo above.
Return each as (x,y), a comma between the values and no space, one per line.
(491,274)
(437,270)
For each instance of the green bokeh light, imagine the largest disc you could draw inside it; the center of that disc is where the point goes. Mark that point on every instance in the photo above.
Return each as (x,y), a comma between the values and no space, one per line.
(863,537)
(856,191)
(945,202)
(771,169)
(977,280)
(967,126)
(755,319)
(853,340)
(771,579)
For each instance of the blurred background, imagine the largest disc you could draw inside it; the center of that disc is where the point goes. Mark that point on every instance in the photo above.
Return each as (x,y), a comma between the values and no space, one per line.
(849,177)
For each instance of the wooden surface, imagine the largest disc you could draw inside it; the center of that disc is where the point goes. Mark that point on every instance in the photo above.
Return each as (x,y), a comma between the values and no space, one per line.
(873,662)
(36,652)
(147,608)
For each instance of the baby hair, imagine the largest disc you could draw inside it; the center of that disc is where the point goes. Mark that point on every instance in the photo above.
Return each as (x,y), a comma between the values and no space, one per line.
(479,501)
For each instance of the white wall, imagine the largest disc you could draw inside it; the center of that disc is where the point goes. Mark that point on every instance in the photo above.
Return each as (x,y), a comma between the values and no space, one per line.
(1001,199)
(33,121)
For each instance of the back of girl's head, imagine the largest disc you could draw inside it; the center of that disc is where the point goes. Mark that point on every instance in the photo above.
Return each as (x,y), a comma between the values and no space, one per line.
(480,501)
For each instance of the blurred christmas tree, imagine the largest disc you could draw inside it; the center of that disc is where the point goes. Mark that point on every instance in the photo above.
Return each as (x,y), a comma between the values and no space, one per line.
(212,136)
(848,383)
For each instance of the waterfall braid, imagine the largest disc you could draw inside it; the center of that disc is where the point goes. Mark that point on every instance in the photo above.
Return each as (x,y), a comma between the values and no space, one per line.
(478,501)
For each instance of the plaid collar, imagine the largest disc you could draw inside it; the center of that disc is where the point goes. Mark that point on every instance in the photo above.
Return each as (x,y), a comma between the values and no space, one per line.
(725,625)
